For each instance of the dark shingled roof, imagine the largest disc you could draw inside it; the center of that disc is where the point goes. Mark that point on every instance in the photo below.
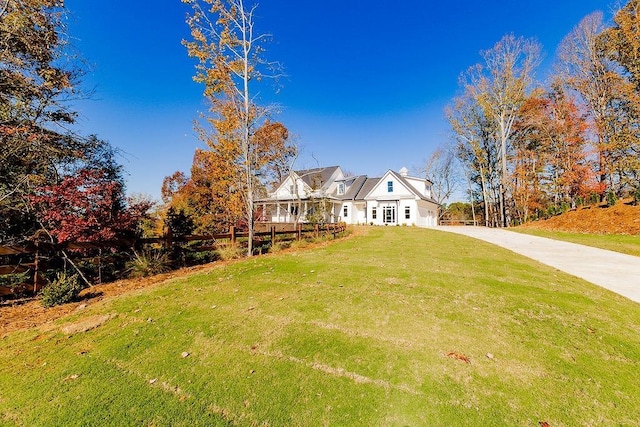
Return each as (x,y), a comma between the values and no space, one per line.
(318,177)
(354,187)
(367,187)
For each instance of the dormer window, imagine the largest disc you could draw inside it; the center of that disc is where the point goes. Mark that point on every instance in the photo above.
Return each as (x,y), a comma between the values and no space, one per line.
(340,188)
(389,186)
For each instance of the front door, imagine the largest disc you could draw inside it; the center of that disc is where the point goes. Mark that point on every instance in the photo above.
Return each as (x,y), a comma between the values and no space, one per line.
(389,214)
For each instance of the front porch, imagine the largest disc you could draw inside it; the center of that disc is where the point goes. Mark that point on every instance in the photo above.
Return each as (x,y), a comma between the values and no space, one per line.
(299,211)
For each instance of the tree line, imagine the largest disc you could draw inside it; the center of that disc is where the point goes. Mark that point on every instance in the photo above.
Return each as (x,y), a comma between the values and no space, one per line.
(530,147)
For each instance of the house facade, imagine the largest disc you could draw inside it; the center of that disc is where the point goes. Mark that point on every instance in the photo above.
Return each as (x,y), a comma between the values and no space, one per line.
(325,195)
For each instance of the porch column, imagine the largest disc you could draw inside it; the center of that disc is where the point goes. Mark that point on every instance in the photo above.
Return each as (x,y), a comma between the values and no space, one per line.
(278,212)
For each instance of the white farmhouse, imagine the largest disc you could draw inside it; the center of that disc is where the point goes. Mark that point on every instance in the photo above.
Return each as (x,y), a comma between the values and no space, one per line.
(326,195)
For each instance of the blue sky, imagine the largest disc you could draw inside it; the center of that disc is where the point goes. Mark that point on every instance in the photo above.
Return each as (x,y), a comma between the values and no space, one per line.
(366,84)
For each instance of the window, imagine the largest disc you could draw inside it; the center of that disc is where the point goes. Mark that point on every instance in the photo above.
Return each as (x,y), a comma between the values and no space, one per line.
(374,213)
(294,210)
(389,186)
(407,212)
(389,214)
(340,188)
(292,189)
(345,212)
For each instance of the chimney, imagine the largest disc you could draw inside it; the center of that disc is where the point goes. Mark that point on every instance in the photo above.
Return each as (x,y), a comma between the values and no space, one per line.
(404,171)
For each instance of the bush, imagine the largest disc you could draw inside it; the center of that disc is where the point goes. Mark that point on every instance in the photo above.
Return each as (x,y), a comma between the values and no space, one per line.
(636,196)
(13,281)
(300,244)
(611,198)
(279,246)
(62,290)
(199,257)
(229,251)
(148,264)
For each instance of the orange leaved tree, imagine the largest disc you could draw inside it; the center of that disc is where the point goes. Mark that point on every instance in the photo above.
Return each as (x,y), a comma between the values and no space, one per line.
(230,65)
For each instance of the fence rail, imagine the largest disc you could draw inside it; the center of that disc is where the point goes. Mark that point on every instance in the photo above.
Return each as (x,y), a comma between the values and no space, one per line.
(38,251)
(458,222)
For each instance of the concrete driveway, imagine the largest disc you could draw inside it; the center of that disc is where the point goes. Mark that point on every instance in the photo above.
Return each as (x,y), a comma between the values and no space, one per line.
(617,272)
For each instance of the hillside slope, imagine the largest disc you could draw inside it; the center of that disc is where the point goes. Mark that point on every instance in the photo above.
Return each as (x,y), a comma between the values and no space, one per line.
(623,218)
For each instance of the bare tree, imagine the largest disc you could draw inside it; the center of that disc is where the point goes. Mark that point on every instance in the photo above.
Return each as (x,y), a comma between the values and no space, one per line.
(474,136)
(441,169)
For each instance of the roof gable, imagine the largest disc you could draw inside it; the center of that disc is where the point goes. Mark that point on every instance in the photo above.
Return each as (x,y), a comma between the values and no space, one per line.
(390,181)
(382,187)
(284,190)
(306,182)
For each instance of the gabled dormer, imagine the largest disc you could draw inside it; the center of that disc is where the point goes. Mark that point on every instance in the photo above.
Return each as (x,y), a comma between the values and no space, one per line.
(308,183)
(390,186)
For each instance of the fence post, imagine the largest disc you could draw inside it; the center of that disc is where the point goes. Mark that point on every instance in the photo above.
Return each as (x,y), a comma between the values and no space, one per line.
(36,268)
(316,230)
(273,235)
(232,234)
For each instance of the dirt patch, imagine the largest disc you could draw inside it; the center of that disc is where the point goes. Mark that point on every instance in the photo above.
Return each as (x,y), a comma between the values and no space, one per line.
(86,324)
(623,218)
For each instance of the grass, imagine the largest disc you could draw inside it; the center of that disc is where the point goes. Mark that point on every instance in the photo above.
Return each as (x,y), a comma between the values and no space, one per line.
(370,331)
(622,243)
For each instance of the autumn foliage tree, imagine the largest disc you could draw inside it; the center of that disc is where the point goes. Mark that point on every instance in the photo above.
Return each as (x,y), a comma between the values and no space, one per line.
(621,44)
(211,195)
(552,156)
(38,77)
(231,65)
(588,65)
(88,206)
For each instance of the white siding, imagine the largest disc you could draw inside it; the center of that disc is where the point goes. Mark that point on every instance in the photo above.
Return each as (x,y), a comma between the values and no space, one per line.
(428,214)
(284,191)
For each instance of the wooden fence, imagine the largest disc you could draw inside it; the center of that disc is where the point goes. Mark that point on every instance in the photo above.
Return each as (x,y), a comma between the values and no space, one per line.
(458,222)
(32,255)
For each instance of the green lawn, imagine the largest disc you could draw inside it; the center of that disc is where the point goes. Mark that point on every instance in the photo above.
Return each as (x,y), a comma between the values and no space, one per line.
(362,332)
(622,243)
